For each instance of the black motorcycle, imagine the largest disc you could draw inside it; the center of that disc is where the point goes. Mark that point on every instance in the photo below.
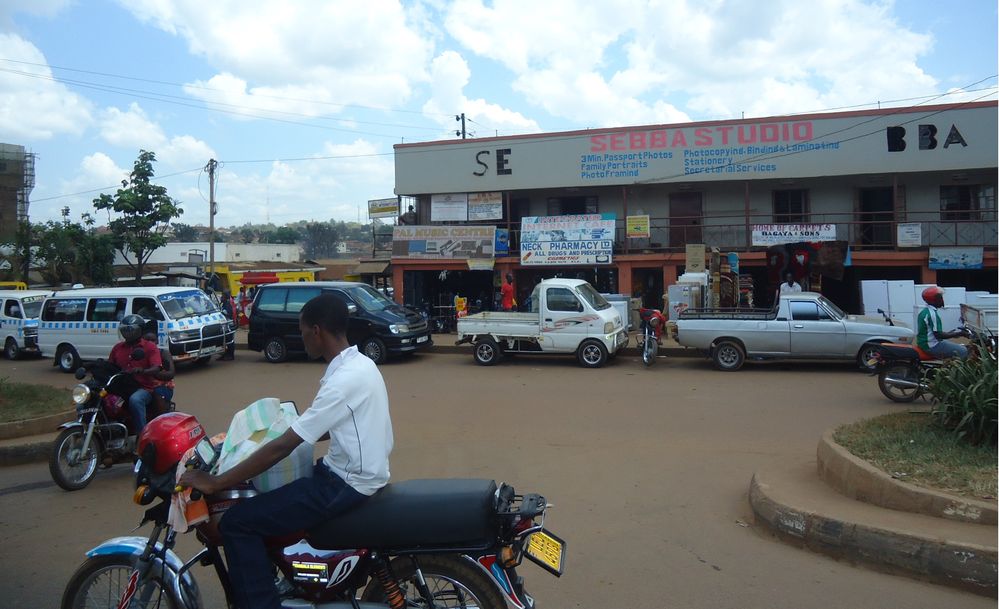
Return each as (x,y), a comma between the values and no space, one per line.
(103,433)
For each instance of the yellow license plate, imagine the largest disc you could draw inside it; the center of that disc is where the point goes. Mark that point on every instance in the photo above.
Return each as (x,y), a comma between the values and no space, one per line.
(546,550)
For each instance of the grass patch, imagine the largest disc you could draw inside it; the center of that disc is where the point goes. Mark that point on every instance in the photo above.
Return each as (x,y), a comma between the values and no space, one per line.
(22,401)
(911,447)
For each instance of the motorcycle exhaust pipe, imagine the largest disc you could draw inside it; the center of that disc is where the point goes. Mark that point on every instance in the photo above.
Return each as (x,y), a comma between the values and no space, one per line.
(903,383)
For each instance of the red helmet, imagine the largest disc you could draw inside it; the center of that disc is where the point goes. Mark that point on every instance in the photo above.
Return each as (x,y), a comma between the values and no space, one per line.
(167,438)
(933,295)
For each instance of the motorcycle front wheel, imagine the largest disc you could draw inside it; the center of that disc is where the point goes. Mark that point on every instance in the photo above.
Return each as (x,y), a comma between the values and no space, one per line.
(453,582)
(649,350)
(904,372)
(101,580)
(71,464)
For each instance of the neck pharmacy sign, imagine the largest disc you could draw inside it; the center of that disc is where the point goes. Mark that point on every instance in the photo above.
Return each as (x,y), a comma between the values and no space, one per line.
(567,240)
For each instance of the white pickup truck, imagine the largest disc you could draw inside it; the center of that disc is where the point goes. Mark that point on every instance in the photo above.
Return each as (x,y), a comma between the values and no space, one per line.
(568,316)
(804,325)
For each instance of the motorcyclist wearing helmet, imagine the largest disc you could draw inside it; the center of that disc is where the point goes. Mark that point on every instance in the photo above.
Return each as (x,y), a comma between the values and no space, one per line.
(142,369)
(929,329)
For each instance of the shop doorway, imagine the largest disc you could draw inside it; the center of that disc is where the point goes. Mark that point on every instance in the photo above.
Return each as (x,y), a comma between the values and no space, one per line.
(685,217)
(647,284)
(433,293)
(877,212)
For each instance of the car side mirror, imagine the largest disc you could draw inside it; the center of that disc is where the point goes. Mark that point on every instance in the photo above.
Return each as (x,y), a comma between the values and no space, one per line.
(138,354)
(81,373)
(351,309)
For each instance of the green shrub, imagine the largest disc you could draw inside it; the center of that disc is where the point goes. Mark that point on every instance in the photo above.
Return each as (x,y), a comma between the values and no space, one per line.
(965,396)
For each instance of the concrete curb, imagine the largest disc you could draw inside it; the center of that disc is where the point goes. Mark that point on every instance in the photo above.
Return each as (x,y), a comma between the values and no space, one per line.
(966,566)
(19,454)
(33,427)
(858,479)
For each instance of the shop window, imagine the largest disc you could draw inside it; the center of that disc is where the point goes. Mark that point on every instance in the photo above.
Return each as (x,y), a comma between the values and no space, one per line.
(966,202)
(271,300)
(572,206)
(561,299)
(790,206)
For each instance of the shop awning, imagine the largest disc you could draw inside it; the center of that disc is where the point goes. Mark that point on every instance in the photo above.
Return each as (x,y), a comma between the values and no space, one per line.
(258,278)
(371,267)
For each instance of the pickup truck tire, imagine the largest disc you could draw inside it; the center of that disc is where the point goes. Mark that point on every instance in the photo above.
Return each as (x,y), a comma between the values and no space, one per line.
(486,352)
(728,356)
(592,354)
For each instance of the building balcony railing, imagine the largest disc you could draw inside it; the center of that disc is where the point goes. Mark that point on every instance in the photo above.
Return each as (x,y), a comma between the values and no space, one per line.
(875,231)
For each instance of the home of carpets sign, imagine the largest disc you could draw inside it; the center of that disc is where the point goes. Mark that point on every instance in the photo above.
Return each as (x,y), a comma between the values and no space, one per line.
(778,234)
(567,240)
(436,242)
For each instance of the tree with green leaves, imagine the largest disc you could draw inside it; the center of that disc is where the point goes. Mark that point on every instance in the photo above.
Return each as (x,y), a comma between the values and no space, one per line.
(321,239)
(185,232)
(144,212)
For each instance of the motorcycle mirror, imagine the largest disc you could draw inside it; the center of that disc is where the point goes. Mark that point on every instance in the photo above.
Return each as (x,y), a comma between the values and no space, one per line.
(81,373)
(138,353)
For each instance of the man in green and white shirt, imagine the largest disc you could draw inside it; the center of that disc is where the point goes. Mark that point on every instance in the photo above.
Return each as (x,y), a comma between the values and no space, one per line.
(929,328)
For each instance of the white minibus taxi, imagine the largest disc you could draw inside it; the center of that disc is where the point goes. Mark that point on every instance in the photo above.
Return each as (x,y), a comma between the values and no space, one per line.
(19,321)
(82,324)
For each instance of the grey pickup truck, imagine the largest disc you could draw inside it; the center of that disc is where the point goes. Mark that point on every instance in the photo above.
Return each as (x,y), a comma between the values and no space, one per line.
(802,325)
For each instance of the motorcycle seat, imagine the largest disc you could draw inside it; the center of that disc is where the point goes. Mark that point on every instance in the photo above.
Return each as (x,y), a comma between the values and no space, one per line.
(413,515)
(905,351)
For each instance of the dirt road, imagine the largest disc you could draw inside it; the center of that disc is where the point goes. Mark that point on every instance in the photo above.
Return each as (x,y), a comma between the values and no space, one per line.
(648,470)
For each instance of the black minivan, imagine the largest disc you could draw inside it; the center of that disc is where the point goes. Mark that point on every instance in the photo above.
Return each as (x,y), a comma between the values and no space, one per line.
(378,326)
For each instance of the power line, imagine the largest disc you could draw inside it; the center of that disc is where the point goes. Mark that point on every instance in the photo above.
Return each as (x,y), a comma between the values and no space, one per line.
(182,85)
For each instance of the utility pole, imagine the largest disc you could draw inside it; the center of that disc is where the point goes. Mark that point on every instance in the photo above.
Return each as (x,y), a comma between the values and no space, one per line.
(212,165)
(460,117)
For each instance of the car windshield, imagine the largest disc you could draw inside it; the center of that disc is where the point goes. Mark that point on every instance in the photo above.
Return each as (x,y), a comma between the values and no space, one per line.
(836,311)
(593,297)
(369,299)
(32,306)
(191,303)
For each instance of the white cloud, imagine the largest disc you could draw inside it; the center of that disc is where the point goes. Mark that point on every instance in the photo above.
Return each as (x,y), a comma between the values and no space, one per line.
(33,106)
(134,130)
(615,62)
(449,77)
(328,53)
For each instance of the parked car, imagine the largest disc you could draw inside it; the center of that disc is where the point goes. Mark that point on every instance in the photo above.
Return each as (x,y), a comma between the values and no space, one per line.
(803,325)
(568,316)
(19,311)
(378,326)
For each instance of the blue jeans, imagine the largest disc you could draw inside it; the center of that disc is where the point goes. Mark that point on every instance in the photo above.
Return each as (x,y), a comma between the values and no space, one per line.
(137,403)
(946,349)
(297,506)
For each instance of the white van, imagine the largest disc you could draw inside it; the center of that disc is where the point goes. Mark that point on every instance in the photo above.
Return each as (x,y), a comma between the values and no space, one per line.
(19,320)
(78,325)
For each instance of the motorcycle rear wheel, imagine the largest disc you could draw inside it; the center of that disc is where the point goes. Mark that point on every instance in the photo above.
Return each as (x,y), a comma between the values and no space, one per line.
(453,582)
(899,394)
(101,580)
(67,446)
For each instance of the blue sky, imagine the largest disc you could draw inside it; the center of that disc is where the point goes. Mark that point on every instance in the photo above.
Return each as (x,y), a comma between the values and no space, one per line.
(302,101)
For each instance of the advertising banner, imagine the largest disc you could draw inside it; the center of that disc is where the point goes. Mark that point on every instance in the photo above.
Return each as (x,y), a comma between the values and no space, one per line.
(779,234)
(383,208)
(910,234)
(956,257)
(451,207)
(567,240)
(637,227)
(485,206)
(694,261)
(502,242)
(436,242)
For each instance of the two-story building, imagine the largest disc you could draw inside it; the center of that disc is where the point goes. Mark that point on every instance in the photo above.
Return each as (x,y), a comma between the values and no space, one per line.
(911,192)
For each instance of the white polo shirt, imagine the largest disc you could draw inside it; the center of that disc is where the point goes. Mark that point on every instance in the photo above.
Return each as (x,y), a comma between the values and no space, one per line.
(352,405)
